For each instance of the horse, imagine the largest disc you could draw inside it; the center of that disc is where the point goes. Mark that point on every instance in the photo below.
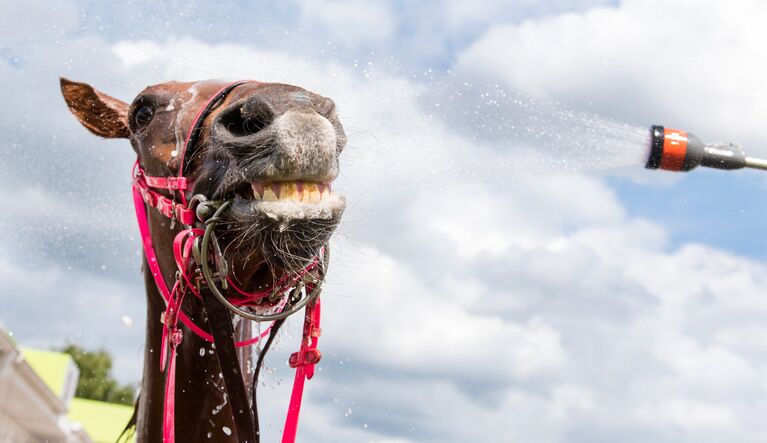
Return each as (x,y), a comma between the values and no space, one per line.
(233,194)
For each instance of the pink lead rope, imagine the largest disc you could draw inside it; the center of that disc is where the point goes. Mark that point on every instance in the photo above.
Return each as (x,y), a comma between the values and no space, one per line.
(303,361)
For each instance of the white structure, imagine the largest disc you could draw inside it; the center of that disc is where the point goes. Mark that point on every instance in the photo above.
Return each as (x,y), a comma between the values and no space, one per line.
(29,411)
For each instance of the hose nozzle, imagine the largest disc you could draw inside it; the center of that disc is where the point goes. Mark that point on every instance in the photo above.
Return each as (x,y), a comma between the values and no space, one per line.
(677,150)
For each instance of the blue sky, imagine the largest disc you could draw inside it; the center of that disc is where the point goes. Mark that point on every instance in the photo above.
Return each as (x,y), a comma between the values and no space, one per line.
(515,286)
(717,208)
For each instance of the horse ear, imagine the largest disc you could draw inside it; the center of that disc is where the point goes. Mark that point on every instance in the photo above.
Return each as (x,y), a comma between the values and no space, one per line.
(103,115)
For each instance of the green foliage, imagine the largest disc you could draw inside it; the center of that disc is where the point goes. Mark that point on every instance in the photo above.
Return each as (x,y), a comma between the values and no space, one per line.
(96,382)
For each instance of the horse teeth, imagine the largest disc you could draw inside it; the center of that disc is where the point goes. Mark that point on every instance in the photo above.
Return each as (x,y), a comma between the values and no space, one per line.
(258,190)
(311,194)
(306,192)
(288,191)
(270,195)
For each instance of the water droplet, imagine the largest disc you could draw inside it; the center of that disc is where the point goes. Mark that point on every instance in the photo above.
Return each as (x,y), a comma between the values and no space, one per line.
(127,321)
(226,430)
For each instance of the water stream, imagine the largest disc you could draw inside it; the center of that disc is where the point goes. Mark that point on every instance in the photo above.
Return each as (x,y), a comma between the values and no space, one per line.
(538,135)
(452,131)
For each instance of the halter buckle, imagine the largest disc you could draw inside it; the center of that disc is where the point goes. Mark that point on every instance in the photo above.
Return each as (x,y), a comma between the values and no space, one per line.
(176,336)
(201,281)
(176,183)
(305,358)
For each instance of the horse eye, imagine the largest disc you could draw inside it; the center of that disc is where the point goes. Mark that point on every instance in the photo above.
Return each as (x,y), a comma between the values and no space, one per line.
(143,116)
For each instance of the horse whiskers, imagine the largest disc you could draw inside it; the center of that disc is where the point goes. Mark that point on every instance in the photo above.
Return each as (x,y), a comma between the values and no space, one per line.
(288,250)
(247,232)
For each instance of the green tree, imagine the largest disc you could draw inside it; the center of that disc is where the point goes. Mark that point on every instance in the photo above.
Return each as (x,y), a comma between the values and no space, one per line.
(96,382)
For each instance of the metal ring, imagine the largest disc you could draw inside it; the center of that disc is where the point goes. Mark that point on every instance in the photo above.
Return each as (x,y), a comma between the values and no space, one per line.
(206,272)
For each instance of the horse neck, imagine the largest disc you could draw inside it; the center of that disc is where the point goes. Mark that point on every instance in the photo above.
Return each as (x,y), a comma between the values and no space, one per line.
(201,406)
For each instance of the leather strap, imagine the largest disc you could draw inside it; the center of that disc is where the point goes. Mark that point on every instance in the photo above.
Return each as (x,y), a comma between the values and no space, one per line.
(169,183)
(220,323)
(194,132)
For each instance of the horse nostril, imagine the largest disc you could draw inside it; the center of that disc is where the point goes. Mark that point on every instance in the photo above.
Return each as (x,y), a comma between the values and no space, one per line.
(246,119)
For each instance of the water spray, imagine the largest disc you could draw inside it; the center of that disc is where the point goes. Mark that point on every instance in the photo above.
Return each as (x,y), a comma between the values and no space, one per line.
(676,150)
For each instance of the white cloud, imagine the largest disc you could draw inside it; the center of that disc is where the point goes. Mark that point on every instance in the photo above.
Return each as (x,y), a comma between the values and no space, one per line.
(697,416)
(25,21)
(349,22)
(684,63)
(427,333)
(462,14)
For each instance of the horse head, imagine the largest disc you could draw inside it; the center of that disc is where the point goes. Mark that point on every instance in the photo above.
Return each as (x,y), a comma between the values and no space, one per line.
(271,148)
(270,151)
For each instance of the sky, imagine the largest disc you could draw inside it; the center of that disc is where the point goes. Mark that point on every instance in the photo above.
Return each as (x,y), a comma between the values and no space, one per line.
(506,269)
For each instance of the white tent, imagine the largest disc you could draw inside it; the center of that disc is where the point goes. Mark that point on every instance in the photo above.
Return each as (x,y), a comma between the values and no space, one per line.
(29,410)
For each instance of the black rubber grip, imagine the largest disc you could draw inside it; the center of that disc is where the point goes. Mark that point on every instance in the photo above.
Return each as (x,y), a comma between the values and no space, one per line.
(656,147)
